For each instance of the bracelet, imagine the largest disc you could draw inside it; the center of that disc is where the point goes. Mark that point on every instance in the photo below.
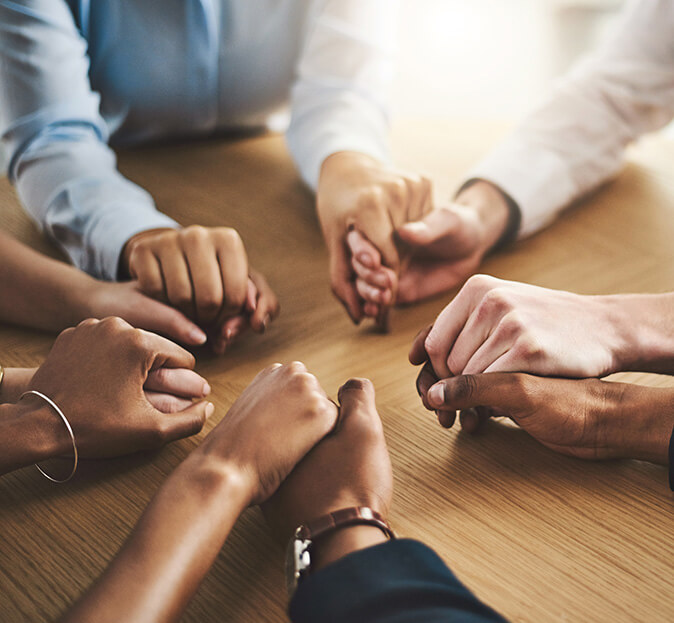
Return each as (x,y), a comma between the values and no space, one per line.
(2,375)
(55,407)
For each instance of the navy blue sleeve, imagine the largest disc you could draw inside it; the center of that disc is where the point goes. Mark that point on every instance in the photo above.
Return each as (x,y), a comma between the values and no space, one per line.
(400,581)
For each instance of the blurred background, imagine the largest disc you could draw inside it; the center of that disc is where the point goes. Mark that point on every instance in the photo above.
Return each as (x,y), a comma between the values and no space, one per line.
(491,59)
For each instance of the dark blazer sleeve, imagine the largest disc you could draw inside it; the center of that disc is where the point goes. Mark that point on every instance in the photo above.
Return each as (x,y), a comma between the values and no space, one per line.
(400,581)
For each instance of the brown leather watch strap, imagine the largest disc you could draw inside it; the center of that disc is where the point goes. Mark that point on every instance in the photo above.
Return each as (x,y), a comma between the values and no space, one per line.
(354,516)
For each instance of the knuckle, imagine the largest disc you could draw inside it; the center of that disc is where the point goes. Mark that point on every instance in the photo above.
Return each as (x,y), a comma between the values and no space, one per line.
(529,348)
(513,325)
(480,282)
(361,384)
(195,233)
(463,388)
(495,301)
(229,237)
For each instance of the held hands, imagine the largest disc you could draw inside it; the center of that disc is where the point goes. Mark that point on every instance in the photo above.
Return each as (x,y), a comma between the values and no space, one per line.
(204,273)
(350,467)
(278,418)
(357,192)
(104,400)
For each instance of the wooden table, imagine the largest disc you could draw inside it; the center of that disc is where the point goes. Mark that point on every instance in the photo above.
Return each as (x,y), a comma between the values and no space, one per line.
(538,536)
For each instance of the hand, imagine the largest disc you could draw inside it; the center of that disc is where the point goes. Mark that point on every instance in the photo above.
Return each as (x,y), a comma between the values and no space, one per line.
(439,251)
(95,373)
(588,418)
(504,326)
(278,418)
(203,272)
(356,191)
(350,467)
(168,390)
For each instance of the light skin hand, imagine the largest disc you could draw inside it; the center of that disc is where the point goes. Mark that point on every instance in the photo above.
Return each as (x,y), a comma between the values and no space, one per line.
(439,251)
(357,192)
(503,326)
(204,273)
(101,367)
(587,418)
(350,467)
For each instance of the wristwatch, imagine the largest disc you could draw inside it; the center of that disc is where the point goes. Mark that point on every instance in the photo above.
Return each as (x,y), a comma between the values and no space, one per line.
(298,554)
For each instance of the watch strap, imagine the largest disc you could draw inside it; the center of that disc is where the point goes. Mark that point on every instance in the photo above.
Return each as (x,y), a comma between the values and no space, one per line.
(342,518)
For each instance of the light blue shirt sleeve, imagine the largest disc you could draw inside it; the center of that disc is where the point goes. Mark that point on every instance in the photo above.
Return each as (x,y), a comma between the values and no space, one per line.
(56,140)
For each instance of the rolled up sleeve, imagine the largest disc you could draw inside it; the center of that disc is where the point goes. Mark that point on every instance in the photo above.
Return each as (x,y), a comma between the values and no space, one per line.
(55,139)
(340,100)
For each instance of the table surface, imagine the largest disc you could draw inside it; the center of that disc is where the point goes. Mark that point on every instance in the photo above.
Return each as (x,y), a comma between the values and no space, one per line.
(538,536)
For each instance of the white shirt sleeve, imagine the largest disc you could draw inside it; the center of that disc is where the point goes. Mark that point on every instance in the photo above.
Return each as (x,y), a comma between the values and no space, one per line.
(575,139)
(340,100)
(55,139)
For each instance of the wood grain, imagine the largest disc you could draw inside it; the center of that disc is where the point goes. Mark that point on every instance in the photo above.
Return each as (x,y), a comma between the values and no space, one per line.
(538,536)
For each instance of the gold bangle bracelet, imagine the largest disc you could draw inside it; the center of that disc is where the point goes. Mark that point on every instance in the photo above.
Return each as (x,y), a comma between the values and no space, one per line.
(2,375)
(58,412)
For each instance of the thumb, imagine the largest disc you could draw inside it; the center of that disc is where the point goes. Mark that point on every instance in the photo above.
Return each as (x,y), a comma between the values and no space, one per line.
(436,224)
(189,421)
(355,396)
(504,391)
(160,318)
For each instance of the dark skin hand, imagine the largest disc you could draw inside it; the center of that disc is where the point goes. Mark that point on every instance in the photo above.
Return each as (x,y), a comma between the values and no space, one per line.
(586,418)
(350,467)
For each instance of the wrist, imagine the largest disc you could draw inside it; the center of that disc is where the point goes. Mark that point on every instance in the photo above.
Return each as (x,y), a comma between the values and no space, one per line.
(14,383)
(639,324)
(40,430)
(217,480)
(640,426)
(493,211)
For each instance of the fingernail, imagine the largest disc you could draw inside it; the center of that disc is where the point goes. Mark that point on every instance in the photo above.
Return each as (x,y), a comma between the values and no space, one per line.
(266,321)
(436,394)
(415,227)
(206,389)
(229,333)
(198,336)
(366,260)
(210,409)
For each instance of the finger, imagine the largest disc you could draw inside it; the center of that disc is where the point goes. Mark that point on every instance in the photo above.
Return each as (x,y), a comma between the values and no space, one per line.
(379,278)
(421,198)
(363,250)
(448,325)
(470,339)
(341,281)
(177,280)
(425,380)
(357,399)
(423,279)
(144,266)
(472,420)
(371,310)
(177,381)
(446,418)
(251,296)
(163,353)
(418,354)
(267,305)
(187,422)
(372,294)
(437,224)
(167,403)
(488,354)
(204,269)
(160,318)
(504,391)
(234,275)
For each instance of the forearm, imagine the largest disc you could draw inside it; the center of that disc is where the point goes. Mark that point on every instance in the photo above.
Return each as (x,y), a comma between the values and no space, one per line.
(640,327)
(171,549)
(38,291)
(14,383)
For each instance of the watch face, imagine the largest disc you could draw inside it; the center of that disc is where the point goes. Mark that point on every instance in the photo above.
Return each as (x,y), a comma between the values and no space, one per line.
(298,561)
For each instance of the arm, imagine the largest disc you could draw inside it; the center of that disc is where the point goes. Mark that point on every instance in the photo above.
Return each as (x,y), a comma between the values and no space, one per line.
(55,138)
(575,139)
(272,425)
